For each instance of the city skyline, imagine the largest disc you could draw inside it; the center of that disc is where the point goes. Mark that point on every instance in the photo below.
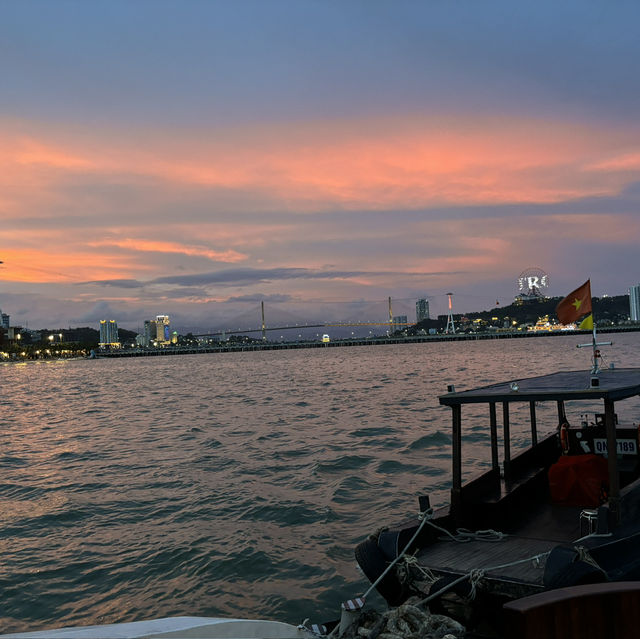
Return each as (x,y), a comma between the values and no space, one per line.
(196,159)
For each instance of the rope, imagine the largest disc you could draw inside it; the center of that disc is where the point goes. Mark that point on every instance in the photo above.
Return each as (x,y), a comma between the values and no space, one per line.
(410,622)
(412,562)
(476,575)
(585,555)
(392,625)
(424,516)
(464,535)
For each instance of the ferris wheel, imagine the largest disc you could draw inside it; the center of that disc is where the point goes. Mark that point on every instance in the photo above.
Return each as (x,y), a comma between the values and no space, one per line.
(533,282)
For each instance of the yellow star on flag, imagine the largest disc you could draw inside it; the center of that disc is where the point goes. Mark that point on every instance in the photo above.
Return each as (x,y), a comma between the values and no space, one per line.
(575,305)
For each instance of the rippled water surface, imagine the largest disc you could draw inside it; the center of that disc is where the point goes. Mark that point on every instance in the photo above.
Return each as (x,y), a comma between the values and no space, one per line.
(231,484)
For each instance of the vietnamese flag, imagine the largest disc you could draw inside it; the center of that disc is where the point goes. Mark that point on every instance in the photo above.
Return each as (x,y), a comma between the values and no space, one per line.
(575,305)
(587,323)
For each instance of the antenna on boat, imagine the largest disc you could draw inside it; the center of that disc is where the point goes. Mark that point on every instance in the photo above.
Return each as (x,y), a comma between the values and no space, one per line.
(595,369)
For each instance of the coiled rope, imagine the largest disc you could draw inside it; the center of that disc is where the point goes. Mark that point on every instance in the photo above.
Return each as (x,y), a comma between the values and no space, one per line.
(462,535)
(408,621)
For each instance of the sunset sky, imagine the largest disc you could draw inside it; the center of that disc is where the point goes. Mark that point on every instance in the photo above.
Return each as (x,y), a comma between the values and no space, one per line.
(193,158)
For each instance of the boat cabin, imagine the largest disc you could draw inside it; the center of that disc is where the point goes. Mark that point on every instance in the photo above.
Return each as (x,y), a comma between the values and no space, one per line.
(590,437)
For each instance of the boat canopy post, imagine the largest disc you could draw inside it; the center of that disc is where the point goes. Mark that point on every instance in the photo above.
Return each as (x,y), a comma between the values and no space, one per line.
(456,453)
(562,415)
(493,423)
(612,459)
(507,439)
(534,424)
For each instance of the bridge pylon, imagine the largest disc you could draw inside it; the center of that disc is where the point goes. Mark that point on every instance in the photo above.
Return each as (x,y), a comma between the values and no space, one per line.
(450,317)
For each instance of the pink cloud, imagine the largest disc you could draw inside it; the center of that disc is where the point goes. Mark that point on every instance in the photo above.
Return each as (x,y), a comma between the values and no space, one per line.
(229,256)
(407,162)
(624,162)
(390,164)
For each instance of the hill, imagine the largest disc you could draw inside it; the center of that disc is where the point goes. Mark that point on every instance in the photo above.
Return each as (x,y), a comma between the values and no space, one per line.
(606,311)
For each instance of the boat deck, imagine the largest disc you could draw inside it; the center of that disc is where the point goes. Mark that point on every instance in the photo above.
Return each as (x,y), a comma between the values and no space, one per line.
(548,527)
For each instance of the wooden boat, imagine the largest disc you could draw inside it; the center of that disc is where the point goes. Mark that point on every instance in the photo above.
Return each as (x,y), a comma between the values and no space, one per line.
(558,514)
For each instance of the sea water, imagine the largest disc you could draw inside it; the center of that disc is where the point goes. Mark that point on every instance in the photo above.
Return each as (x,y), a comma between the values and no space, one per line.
(234,484)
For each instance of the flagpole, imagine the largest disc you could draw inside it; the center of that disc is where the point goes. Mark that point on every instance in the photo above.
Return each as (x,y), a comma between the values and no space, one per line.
(595,369)
(596,353)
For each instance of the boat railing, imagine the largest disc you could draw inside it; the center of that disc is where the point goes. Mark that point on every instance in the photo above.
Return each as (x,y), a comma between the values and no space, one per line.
(497,496)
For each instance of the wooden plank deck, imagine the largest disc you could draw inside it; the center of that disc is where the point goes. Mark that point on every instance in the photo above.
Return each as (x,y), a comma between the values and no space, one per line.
(548,527)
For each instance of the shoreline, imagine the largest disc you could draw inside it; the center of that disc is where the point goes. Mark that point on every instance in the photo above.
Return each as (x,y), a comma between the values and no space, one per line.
(377,341)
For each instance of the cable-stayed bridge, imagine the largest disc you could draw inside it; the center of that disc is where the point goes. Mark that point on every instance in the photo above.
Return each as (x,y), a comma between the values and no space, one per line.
(392,324)
(301,326)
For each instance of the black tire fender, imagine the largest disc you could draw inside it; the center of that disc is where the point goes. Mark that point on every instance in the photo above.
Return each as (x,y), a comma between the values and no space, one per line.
(373,564)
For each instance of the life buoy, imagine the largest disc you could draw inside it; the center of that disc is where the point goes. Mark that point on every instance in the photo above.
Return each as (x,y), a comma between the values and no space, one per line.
(564,437)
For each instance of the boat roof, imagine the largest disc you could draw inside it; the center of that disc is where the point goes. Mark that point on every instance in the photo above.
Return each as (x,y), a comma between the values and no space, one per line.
(613,384)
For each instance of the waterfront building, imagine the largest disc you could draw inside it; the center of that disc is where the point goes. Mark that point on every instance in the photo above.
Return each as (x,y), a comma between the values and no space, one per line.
(149,333)
(399,323)
(4,320)
(422,310)
(163,334)
(634,303)
(109,334)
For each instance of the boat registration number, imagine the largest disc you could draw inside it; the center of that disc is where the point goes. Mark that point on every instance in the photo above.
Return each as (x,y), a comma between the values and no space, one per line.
(625,446)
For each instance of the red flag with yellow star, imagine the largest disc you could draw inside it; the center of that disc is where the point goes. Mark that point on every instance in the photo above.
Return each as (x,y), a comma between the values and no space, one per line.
(575,305)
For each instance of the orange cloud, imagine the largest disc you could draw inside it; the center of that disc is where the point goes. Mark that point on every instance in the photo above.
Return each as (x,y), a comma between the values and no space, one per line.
(28,152)
(624,162)
(228,256)
(406,162)
(148,179)
(56,264)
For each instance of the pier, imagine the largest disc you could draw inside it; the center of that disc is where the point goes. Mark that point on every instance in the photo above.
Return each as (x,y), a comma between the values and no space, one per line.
(233,347)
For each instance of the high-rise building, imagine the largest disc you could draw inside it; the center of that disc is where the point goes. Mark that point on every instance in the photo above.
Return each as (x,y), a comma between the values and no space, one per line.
(399,322)
(4,320)
(163,335)
(149,332)
(634,303)
(422,310)
(109,334)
